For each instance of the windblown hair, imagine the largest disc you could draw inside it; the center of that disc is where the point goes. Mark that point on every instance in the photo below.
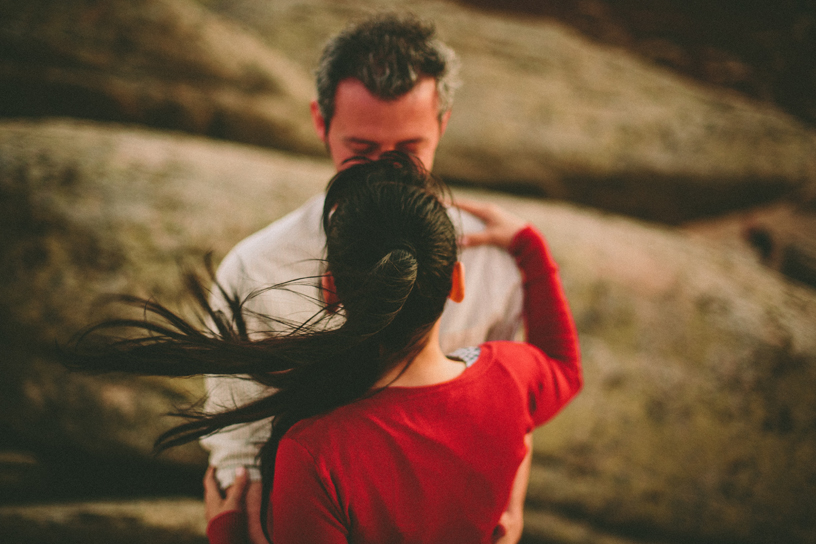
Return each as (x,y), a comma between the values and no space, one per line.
(391,249)
(388,54)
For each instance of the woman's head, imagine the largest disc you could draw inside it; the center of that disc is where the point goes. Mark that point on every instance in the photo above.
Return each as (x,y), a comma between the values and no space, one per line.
(391,249)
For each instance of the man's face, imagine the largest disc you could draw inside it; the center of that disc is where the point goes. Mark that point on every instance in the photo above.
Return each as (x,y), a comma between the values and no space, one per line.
(364,125)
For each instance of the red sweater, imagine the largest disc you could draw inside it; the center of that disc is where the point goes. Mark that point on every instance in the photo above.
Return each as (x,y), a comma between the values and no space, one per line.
(434,463)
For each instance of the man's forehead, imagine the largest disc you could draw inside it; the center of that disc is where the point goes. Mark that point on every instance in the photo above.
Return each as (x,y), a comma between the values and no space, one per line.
(352,92)
(356,107)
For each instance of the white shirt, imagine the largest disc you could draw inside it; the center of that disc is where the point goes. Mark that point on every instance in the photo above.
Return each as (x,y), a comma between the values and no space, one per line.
(291,249)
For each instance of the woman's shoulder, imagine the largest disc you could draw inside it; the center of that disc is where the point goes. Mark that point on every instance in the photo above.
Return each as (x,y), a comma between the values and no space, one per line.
(519,359)
(485,362)
(500,348)
(312,428)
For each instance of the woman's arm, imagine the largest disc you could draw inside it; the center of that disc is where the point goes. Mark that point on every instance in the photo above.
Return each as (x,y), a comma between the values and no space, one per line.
(226,516)
(546,312)
(549,326)
(547,317)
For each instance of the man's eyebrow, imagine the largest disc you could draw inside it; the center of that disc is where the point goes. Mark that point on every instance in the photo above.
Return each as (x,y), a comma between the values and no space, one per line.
(353,140)
(373,143)
(418,139)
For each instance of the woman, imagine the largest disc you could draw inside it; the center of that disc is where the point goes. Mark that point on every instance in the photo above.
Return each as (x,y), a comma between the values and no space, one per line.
(379,436)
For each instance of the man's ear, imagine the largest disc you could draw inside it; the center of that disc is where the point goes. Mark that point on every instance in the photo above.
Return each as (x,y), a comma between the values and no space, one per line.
(443,122)
(329,292)
(317,121)
(457,293)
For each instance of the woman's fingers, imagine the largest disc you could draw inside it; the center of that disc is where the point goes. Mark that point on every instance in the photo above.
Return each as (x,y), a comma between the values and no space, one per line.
(211,486)
(500,225)
(213,498)
(475,239)
(235,492)
(216,501)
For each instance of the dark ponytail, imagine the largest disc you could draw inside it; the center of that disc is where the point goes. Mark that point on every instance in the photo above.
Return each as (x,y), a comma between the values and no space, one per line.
(391,249)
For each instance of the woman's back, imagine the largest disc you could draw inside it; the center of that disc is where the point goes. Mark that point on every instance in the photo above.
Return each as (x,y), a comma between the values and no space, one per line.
(409,464)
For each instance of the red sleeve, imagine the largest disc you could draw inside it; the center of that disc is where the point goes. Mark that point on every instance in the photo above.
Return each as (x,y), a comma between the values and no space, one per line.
(549,324)
(304,510)
(227,528)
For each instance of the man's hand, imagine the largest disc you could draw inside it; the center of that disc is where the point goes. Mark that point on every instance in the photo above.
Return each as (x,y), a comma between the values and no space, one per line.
(216,502)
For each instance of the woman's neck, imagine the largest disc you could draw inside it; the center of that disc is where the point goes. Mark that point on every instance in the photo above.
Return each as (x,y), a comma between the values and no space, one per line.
(429,367)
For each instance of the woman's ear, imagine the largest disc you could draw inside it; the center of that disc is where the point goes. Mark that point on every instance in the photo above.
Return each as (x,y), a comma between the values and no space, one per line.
(457,293)
(329,292)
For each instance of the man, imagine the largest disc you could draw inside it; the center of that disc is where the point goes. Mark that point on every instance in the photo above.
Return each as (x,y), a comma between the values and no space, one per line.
(385,84)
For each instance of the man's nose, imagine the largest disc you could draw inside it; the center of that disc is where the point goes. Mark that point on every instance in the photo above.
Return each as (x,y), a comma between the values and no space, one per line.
(385,149)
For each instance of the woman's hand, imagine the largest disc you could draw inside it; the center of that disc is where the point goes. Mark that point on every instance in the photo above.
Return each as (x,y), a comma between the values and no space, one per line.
(216,502)
(501,226)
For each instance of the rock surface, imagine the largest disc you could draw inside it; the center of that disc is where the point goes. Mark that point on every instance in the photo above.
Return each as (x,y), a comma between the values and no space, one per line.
(697,420)
(170,521)
(165,63)
(90,211)
(781,235)
(543,109)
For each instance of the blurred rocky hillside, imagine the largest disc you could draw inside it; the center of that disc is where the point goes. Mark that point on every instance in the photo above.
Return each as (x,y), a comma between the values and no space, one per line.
(762,48)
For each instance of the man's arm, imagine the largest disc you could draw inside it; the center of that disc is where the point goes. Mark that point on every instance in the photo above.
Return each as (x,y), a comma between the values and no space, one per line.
(287,249)
(236,446)
(231,450)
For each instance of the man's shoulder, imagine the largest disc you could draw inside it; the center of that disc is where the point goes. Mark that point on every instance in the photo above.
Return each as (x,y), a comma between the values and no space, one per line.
(303,222)
(290,240)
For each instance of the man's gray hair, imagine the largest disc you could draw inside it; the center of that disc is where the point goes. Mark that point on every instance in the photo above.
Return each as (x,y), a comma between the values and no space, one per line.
(389,54)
